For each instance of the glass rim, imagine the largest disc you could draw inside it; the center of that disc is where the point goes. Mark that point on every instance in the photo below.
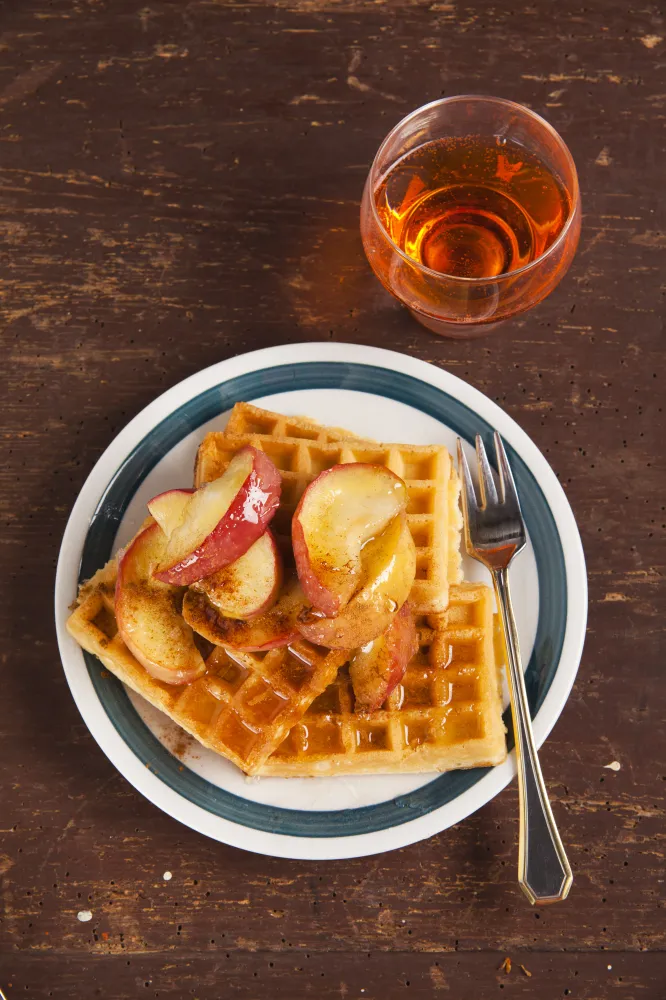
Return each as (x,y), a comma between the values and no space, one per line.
(480,98)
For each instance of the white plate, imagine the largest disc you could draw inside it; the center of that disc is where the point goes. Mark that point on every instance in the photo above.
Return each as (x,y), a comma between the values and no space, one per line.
(383,395)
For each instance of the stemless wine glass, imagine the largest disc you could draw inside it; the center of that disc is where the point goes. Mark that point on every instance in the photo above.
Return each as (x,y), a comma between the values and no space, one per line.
(471,213)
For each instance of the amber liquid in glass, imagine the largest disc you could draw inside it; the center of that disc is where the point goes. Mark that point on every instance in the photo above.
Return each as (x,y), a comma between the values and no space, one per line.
(471,207)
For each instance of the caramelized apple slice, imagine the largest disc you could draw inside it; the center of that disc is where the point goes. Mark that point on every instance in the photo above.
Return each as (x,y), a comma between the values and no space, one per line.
(376,668)
(148,613)
(388,571)
(275,628)
(248,586)
(169,508)
(222,519)
(340,511)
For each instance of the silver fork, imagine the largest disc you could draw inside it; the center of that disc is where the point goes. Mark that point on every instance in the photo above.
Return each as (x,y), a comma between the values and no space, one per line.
(494,534)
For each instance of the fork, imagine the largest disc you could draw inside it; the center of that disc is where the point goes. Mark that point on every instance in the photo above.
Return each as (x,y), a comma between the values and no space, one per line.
(495,534)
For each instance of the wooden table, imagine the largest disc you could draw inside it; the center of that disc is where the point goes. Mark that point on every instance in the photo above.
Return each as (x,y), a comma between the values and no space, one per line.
(180,183)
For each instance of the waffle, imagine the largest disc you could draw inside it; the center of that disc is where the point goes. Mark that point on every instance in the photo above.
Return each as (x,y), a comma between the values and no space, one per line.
(446,713)
(241,708)
(301,449)
(248,419)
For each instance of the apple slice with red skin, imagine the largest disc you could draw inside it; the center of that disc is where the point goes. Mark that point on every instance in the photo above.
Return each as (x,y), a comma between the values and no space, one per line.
(388,571)
(378,667)
(275,628)
(168,508)
(249,586)
(245,588)
(222,519)
(148,613)
(339,512)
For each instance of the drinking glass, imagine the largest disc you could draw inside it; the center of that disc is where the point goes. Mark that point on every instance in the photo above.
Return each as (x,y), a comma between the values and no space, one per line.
(471,213)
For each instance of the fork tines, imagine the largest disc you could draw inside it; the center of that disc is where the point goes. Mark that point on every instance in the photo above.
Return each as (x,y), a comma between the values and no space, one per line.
(496,487)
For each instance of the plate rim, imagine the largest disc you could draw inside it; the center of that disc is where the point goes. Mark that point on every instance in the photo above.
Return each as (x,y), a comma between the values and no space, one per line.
(286,845)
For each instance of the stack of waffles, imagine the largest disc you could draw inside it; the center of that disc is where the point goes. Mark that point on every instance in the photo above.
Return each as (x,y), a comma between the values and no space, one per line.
(290,711)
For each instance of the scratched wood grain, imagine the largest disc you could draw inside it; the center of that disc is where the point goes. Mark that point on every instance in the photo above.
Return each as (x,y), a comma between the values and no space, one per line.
(180,182)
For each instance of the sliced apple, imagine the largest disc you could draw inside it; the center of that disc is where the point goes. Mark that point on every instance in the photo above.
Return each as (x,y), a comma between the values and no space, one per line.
(278,627)
(249,586)
(376,668)
(387,575)
(222,519)
(340,511)
(168,508)
(148,613)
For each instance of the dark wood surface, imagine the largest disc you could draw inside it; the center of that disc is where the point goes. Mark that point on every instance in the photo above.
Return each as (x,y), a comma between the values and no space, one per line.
(180,183)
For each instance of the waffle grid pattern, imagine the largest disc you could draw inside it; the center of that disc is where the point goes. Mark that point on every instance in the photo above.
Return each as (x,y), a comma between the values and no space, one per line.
(445,714)
(433,486)
(248,419)
(240,708)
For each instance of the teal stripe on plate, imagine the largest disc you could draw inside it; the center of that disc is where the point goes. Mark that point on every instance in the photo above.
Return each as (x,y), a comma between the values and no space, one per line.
(321,375)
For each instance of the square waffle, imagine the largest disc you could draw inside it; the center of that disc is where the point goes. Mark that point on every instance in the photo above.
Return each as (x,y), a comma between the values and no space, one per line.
(301,449)
(446,713)
(242,707)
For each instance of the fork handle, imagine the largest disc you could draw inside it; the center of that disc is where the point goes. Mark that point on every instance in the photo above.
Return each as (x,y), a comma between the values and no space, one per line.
(544,872)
